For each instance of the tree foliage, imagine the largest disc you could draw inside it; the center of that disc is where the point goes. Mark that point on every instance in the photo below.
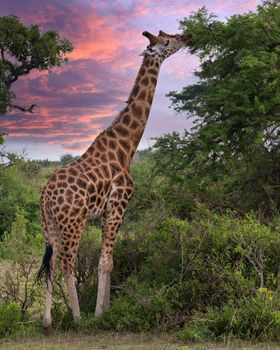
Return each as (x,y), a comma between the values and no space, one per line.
(236,100)
(231,157)
(23,49)
(67,158)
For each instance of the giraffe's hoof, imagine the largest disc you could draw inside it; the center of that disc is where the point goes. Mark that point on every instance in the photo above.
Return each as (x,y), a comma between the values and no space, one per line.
(47,330)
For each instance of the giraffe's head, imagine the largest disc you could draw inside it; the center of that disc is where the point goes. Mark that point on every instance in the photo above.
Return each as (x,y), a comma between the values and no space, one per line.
(164,45)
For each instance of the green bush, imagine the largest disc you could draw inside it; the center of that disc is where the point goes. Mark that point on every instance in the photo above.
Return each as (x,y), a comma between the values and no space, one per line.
(19,244)
(196,331)
(140,307)
(17,194)
(257,319)
(210,266)
(10,316)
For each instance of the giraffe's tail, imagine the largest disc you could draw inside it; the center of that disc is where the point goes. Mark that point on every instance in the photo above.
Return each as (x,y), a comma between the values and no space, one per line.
(46,268)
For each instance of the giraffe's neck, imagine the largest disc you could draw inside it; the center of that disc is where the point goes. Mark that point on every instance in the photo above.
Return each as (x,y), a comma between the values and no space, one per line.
(119,141)
(131,122)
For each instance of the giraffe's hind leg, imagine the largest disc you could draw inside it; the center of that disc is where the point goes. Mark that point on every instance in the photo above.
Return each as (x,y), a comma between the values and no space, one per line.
(47,321)
(67,255)
(73,296)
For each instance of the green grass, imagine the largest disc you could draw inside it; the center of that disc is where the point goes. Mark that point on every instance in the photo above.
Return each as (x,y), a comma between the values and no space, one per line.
(115,341)
(72,341)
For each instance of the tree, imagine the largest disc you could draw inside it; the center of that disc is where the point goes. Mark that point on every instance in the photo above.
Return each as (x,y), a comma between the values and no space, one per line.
(67,158)
(236,100)
(234,146)
(23,49)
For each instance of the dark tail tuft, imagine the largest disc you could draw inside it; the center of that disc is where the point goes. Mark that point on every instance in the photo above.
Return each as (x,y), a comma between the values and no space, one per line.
(45,269)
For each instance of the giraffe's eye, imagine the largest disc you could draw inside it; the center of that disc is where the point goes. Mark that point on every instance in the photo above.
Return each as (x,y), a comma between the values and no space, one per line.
(167,43)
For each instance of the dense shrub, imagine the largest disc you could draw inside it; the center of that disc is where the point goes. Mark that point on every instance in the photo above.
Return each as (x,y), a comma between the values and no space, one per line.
(215,268)
(140,307)
(257,318)
(10,316)
(17,195)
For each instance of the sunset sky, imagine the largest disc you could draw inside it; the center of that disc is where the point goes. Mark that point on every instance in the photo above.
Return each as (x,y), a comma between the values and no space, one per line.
(83,96)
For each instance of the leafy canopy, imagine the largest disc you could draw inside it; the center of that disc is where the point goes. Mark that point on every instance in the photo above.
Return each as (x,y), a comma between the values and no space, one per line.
(236,99)
(23,49)
(231,157)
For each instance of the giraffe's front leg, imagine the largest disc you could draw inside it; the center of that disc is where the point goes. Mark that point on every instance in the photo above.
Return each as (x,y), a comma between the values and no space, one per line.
(105,265)
(110,225)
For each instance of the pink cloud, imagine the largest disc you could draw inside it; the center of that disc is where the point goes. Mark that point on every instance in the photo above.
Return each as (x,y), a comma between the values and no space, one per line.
(82,97)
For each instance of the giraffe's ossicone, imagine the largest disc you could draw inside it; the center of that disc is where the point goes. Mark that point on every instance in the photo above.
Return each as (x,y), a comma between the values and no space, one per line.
(99,184)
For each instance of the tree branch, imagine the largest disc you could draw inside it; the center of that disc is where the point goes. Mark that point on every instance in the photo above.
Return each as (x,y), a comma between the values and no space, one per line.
(24,109)
(12,67)
(2,55)
(13,76)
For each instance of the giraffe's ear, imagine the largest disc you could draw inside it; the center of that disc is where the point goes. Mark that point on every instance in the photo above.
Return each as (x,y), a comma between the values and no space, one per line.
(142,53)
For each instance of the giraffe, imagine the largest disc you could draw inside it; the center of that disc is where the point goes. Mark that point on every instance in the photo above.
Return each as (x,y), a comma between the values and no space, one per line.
(99,184)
